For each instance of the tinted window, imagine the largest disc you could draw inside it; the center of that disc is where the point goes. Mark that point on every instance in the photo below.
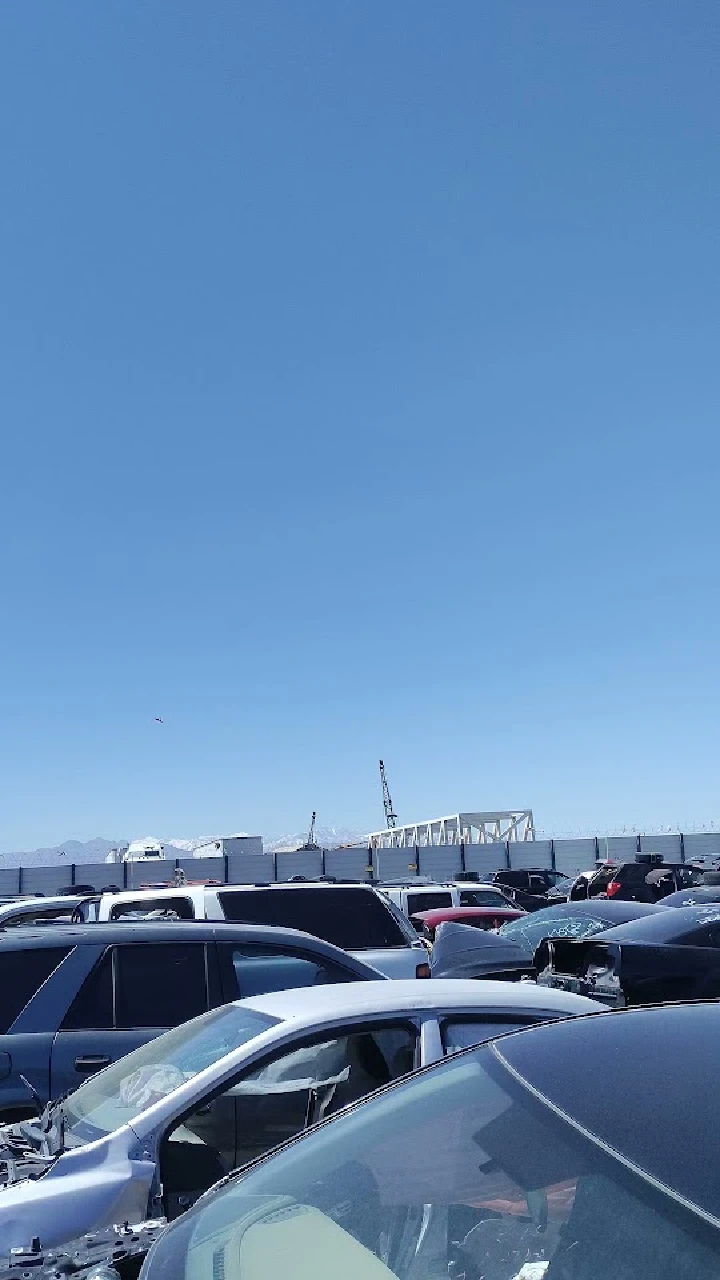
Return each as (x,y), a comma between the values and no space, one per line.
(482,898)
(463,1034)
(353,920)
(159,986)
(253,971)
(22,973)
(426,901)
(92,1008)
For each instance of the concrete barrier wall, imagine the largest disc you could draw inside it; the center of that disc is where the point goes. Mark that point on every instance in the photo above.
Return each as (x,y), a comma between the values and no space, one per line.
(439,862)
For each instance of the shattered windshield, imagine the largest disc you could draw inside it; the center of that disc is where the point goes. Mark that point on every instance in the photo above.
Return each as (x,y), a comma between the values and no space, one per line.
(141,1078)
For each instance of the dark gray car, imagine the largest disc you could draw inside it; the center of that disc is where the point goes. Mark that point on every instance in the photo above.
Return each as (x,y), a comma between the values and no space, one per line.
(75,998)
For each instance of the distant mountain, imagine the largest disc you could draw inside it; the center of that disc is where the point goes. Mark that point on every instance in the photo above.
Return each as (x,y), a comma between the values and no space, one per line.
(325,837)
(78,851)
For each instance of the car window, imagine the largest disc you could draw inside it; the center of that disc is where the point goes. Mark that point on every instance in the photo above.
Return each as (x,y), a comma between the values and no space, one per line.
(355,921)
(251,971)
(22,973)
(461,1033)
(92,1008)
(482,898)
(427,901)
(142,1077)
(159,985)
(266,1106)
(141,908)
(516,1192)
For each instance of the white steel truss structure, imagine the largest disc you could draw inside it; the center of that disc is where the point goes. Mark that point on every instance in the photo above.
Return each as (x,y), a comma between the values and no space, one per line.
(460,828)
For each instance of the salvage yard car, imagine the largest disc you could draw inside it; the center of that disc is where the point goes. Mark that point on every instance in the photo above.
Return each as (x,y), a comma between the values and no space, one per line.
(671,955)
(154,1131)
(427,922)
(461,952)
(541,1156)
(75,998)
(355,917)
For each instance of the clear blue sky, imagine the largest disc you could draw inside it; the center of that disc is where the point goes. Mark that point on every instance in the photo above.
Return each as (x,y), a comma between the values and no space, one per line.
(359,386)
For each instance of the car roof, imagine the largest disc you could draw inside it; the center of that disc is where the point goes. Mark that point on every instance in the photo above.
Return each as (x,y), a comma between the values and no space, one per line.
(53,935)
(41,904)
(665,925)
(603,908)
(411,996)
(599,1076)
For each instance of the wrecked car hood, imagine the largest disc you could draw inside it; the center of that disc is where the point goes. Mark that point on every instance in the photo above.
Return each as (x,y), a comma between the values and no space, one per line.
(460,951)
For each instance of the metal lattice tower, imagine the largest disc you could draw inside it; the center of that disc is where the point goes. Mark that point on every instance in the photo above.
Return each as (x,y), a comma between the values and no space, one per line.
(390,817)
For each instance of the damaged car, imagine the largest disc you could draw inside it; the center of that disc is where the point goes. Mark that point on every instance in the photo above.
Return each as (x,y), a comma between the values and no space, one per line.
(152,1132)
(460,951)
(671,955)
(540,1156)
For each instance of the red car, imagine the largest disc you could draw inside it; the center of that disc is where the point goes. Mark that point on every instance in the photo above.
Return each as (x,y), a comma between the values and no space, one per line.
(426,922)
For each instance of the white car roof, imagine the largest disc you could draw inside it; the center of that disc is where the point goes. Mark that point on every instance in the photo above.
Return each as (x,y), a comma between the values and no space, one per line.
(415,995)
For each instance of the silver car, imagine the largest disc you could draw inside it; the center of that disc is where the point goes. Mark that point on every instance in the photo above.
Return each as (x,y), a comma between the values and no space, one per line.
(148,1135)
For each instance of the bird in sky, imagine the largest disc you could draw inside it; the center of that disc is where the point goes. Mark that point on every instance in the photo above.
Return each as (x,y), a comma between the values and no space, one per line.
(159,720)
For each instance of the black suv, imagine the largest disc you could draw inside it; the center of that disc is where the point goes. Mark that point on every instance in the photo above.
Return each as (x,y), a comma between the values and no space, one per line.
(75,998)
(648,879)
(534,887)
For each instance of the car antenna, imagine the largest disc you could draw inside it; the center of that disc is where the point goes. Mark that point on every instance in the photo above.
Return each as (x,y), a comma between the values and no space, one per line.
(33,1091)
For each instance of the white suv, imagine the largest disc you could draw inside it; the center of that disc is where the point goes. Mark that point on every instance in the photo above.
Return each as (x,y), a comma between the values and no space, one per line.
(352,916)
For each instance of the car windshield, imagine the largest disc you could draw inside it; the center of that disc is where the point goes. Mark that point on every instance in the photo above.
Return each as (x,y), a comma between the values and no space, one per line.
(552,922)
(146,1075)
(512,1191)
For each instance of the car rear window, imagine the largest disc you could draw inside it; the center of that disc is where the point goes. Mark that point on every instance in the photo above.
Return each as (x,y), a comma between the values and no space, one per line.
(22,973)
(354,920)
(427,901)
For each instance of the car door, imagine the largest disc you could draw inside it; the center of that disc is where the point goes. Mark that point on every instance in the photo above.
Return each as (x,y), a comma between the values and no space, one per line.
(265,1105)
(135,992)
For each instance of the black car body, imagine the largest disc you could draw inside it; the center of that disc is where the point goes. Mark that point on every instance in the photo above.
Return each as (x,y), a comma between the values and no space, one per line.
(701,896)
(75,998)
(671,955)
(462,952)
(560,1152)
(648,879)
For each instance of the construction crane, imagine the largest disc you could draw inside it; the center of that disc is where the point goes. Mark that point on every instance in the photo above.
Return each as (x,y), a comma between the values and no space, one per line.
(390,817)
(310,842)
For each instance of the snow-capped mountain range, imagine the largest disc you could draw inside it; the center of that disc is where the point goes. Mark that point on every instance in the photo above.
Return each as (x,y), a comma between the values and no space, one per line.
(96,850)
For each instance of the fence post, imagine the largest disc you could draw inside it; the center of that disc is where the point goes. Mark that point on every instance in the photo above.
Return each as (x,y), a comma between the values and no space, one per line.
(73,880)
(682,847)
(463,867)
(125,874)
(597,849)
(552,855)
(20,880)
(322,862)
(508,862)
(638,846)
(226,868)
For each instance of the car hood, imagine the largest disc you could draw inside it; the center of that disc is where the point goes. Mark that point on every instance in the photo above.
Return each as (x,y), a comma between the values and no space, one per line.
(460,951)
(83,1190)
